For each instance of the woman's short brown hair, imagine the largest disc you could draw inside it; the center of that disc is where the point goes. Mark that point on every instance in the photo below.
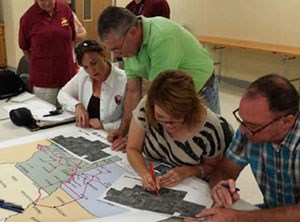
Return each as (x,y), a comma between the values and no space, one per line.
(88,46)
(175,93)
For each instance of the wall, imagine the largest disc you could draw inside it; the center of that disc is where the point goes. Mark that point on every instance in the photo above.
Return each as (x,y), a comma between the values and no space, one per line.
(269,21)
(1,12)
(12,11)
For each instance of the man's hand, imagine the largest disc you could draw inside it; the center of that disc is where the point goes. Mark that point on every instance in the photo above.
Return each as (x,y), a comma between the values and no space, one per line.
(114,135)
(82,116)
(225,197)
(117,140)
(119,144)
(219,215)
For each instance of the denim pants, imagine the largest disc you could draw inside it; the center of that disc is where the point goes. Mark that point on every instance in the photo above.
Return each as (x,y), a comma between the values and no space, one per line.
(210,94)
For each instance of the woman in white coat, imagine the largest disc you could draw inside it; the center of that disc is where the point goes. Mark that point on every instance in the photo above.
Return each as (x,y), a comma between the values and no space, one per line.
(96,92)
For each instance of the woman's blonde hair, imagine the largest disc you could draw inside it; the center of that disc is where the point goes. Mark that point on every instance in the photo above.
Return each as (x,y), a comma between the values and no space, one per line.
(175,93)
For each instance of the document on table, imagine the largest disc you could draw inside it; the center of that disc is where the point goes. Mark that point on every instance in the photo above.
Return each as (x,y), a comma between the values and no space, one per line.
(3,114)
(22,97)
(40,108)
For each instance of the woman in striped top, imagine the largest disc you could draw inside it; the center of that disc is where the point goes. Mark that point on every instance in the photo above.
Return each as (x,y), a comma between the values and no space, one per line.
(172,125)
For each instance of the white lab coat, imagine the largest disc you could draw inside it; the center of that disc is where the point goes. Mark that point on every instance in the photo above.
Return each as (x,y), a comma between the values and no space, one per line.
(79,90)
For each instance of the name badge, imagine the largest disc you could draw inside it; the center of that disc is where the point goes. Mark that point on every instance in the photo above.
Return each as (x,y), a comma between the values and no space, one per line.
(64,22)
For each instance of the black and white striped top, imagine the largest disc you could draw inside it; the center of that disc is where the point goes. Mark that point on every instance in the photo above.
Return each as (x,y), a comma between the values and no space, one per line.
(206,142)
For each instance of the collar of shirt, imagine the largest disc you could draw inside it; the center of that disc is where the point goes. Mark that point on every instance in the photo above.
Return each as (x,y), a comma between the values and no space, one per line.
(57,8)
(145,22)
(292,139)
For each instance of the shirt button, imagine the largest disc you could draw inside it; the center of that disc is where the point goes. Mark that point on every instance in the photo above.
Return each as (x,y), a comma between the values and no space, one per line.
(278,171)
(279,190)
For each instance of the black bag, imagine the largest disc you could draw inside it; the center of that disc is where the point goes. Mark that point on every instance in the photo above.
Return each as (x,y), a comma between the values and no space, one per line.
(10,84)
(21,117)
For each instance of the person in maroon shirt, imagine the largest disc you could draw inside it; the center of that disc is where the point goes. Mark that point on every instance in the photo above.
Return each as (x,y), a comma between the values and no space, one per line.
(149,8)
(46,35)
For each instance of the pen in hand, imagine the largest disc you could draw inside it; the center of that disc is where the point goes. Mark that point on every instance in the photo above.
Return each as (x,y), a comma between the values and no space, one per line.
(225,185)
(153,177)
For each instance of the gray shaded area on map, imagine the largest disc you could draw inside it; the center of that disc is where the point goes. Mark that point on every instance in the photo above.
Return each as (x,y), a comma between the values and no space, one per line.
(90,150)
(169,202)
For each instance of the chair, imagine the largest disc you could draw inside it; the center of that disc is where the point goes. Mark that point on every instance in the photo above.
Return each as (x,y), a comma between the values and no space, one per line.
(23,72)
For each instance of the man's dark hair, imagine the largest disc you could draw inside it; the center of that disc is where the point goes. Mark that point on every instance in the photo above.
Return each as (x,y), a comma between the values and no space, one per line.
(281,94)
(115,19)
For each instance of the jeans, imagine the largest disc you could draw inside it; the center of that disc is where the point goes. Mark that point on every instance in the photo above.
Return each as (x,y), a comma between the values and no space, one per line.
(210,94)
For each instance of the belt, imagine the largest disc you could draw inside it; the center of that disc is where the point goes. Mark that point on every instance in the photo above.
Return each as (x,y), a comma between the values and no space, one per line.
(209,82)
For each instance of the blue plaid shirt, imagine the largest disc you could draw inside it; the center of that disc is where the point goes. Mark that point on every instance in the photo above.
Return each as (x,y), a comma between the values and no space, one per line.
(275,167)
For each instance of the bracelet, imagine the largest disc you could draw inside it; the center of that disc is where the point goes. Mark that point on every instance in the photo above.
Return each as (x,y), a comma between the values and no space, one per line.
(202,174)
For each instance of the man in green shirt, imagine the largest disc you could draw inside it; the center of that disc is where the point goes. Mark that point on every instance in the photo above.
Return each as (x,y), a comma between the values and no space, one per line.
(150,46)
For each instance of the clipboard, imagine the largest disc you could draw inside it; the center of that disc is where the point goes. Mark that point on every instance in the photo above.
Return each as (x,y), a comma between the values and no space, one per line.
(39,125)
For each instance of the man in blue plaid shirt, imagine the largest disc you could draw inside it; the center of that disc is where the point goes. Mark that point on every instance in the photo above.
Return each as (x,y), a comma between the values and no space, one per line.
(269,140)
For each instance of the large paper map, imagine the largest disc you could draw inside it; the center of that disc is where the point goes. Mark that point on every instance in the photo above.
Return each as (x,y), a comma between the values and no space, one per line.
(63,177)
(54,185)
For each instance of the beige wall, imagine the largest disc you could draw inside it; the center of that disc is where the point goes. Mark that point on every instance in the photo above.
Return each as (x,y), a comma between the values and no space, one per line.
(270,21)
(12,11)
(1,11)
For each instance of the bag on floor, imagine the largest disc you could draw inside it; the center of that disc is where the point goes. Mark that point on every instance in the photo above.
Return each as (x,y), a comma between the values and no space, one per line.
(10,84)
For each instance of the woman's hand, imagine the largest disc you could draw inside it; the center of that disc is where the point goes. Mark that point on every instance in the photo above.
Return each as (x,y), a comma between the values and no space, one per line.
(174,176)
(148,182)
(82,116)
(96,123)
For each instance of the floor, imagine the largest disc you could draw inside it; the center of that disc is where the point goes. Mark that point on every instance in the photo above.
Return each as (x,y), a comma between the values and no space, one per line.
(229,98)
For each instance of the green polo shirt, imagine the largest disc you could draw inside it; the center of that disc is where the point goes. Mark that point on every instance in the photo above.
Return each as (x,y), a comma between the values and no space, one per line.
(167,45)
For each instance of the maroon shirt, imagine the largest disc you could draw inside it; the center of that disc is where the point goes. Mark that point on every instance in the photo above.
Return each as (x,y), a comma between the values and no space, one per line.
(49,39)
(150,8)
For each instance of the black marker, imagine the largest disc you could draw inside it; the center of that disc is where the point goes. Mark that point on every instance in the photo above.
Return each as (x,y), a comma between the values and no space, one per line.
(11,206)
(54,113)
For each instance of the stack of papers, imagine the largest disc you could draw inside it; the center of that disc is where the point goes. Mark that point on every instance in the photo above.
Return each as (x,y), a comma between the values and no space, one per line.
(22,97)
(40,108)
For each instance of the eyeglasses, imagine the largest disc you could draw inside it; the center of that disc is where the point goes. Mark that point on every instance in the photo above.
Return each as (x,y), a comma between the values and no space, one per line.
(88,46)
(170,122)
(253,132)
(121,46)
(86,43)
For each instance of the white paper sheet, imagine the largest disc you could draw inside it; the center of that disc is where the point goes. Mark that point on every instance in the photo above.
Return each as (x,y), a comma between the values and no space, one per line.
(200,196)
(22,97)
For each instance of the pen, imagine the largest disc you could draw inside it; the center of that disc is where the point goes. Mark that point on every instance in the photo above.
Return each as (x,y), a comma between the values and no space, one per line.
(53,113)
(11,206)
(153,177)
(8,99)
(227,187)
